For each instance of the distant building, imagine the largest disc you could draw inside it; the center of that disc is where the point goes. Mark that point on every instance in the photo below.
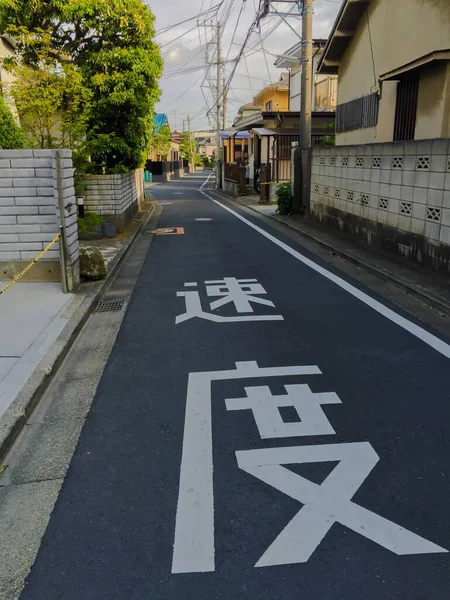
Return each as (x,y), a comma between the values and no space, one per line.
(392,58)
(324,87)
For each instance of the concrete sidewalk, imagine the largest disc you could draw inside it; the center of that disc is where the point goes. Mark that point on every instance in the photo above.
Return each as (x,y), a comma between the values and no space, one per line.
(38,324)
(32,315)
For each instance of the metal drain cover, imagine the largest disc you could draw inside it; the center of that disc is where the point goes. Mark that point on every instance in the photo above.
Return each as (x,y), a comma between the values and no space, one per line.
(109,306)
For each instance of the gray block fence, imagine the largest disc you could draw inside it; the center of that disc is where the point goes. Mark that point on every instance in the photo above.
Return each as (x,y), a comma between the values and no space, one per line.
(33,186)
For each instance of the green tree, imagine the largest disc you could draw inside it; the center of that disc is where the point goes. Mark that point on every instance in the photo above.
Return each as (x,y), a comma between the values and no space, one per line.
(162,142)
(111,43)
(187,146)
(51,99)
(11,136)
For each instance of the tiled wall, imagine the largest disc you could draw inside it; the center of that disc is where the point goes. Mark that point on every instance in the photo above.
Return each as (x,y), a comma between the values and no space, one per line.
(405,185)
(113,195)
(29,214)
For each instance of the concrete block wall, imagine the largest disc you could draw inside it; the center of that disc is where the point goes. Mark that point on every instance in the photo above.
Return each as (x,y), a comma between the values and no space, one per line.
(29,215)
(114,197)
(395,195)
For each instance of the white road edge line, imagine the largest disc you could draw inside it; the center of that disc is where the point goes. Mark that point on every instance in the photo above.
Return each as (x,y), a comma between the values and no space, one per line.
(420,333)
(205,182)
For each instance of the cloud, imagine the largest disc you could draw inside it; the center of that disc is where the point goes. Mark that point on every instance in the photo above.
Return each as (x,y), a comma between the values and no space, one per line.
(188,52)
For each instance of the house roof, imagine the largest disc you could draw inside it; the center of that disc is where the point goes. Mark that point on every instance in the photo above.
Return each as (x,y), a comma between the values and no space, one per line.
(341,34)
(281,85)
(158,121)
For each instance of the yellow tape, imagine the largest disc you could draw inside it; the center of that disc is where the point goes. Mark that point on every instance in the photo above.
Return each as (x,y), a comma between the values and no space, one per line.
(269,182)
(17,277)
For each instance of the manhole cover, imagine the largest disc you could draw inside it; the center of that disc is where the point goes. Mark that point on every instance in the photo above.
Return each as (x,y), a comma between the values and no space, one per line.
(203,219)
(109,306)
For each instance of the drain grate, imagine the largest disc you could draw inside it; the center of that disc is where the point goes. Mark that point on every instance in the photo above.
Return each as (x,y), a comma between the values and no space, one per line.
(109,306)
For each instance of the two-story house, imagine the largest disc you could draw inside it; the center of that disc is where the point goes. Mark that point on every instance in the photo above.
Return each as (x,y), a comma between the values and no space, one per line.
(392,58)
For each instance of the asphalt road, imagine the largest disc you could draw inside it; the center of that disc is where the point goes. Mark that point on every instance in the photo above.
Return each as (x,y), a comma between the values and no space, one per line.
(288,442)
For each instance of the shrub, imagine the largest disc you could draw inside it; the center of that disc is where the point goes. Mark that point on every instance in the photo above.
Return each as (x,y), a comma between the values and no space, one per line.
(11,136)
(117,170)
(284,198)
(89,222)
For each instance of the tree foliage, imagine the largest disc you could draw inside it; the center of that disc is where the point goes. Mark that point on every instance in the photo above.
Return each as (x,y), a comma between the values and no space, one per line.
(52,101)
(187,146)
(11,136)
(110,43)
(162,141)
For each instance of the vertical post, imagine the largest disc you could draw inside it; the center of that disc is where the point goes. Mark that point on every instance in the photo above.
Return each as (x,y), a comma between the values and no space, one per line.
(190,144)
(224,111)
(218,182)
(62,224)
(305,107)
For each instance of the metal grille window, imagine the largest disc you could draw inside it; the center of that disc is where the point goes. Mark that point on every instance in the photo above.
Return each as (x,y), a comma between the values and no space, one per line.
(358,113)
(406,108)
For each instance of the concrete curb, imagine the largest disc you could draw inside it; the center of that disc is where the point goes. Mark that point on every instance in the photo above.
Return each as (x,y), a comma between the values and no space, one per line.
(431,300)
(17,414)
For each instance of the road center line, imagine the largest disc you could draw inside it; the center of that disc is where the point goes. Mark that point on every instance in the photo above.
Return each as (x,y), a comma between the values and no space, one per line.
(420,333)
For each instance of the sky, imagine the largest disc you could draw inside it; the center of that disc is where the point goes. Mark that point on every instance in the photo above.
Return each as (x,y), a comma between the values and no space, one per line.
(182,91)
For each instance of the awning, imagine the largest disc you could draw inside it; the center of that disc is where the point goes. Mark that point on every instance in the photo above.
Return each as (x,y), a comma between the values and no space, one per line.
(262,131)
(239,135)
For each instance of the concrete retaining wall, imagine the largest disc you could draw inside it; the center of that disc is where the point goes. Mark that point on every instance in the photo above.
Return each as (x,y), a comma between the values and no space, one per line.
(115,197)
(393,195)
(30,217)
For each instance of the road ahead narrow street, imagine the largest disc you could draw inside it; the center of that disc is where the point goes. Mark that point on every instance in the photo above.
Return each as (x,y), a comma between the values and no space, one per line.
(265,428)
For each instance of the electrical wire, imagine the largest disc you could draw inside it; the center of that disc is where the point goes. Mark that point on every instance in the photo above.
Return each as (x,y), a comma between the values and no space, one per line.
(212,9)
(185,92)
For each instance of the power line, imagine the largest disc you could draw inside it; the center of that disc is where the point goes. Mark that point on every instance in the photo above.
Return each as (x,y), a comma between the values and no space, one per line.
(185,92)
(212,9)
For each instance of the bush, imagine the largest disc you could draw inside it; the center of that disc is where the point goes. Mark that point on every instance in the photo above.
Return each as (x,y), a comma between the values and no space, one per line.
(284,198)
(89,222)
(117,170)
(11,136)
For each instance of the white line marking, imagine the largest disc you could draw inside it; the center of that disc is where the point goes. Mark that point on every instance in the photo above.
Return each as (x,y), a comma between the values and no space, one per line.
(418,332)
(193,550)
(205,182)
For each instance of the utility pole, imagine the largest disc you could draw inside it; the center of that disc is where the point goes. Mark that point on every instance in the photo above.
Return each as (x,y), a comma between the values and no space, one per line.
(305,105)
(218,170)
(224,110)
(190,144)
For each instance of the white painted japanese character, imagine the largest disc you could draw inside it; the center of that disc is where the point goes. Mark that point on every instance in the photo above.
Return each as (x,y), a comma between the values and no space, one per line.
(240,292)
(265,408)
(325,504)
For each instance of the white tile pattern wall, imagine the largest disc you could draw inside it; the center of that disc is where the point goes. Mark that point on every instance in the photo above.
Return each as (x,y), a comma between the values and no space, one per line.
(402,184)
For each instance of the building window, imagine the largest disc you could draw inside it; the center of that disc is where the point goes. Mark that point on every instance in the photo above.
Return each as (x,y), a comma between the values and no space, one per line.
(269,105)
(357,114)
